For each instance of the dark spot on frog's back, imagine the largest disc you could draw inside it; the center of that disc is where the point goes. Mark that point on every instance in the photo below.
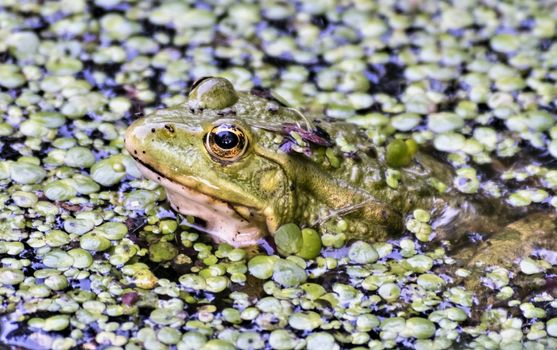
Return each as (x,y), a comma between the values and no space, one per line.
(153,130)
(321,132)
(371,152)
(226,111)
(169,127)
(266,94)
(353,155)
(272,107)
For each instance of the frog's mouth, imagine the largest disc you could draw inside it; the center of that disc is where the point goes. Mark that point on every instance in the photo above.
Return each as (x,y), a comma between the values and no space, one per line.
(236,225)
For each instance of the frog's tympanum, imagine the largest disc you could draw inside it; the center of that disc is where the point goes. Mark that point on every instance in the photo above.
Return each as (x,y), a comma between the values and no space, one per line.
(246,163)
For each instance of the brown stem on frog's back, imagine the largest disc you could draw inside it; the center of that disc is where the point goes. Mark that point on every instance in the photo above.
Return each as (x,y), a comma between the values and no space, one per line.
(303,117)
(347,210)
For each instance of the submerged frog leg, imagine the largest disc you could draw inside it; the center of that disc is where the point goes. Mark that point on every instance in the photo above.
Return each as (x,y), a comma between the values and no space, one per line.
(518,239)
(504,248)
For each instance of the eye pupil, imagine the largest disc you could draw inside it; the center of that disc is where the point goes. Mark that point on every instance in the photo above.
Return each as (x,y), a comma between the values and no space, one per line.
(226,139)
(226,143)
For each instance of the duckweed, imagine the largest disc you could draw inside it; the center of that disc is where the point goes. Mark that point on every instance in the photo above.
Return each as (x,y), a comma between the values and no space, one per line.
(399,153)
(311,244)
(288,239)
(250,340)
(169,336)
(529,266)
(192,340)
(78,226)
(551,327)
(26,173)
(282,340)
(113,231)
(94,242)
(217,344)
(88,245)
(217,284)
(56,323)
(79,157)
(58,259)
(389,291)
(81,258)
(306,321)
(419,328)
(144,279)
(262,266)
(24,199)
(56,282)
(112,170)
(419,263)
(444,122)
(430,281)
(11,276)
(288,273)
(162,251)
(60,190)
(362,253)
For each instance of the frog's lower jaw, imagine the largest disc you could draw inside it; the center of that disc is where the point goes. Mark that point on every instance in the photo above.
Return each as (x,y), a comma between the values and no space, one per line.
(224,222)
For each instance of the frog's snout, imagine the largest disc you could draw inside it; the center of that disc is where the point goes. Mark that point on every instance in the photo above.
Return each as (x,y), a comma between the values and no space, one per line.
(136,132)
(212,93)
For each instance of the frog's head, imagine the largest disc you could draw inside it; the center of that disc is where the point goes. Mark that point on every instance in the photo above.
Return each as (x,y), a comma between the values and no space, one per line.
(218,157)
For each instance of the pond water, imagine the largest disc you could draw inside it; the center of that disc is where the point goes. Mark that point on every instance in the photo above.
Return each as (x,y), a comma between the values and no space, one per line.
(93,256)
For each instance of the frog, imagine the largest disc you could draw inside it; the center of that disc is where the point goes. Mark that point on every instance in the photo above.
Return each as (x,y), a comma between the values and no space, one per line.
(246,162)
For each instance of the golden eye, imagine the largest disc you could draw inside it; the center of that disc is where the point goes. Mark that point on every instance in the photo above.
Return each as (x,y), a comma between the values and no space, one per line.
(226,142)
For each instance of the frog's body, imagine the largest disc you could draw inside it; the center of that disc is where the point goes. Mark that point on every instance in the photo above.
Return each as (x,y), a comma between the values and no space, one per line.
(221,157)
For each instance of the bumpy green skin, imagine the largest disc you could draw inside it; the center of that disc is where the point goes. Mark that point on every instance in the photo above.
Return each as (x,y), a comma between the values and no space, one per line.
(292,187)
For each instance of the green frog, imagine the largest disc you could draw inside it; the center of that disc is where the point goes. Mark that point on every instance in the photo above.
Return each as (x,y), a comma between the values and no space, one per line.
(247,163)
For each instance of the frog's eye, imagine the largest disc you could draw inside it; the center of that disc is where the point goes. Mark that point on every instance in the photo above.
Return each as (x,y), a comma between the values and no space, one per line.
(226,142)
(212,93)
(199,81)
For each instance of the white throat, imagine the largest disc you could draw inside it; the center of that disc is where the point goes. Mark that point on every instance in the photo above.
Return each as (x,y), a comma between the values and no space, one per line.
(236,225)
